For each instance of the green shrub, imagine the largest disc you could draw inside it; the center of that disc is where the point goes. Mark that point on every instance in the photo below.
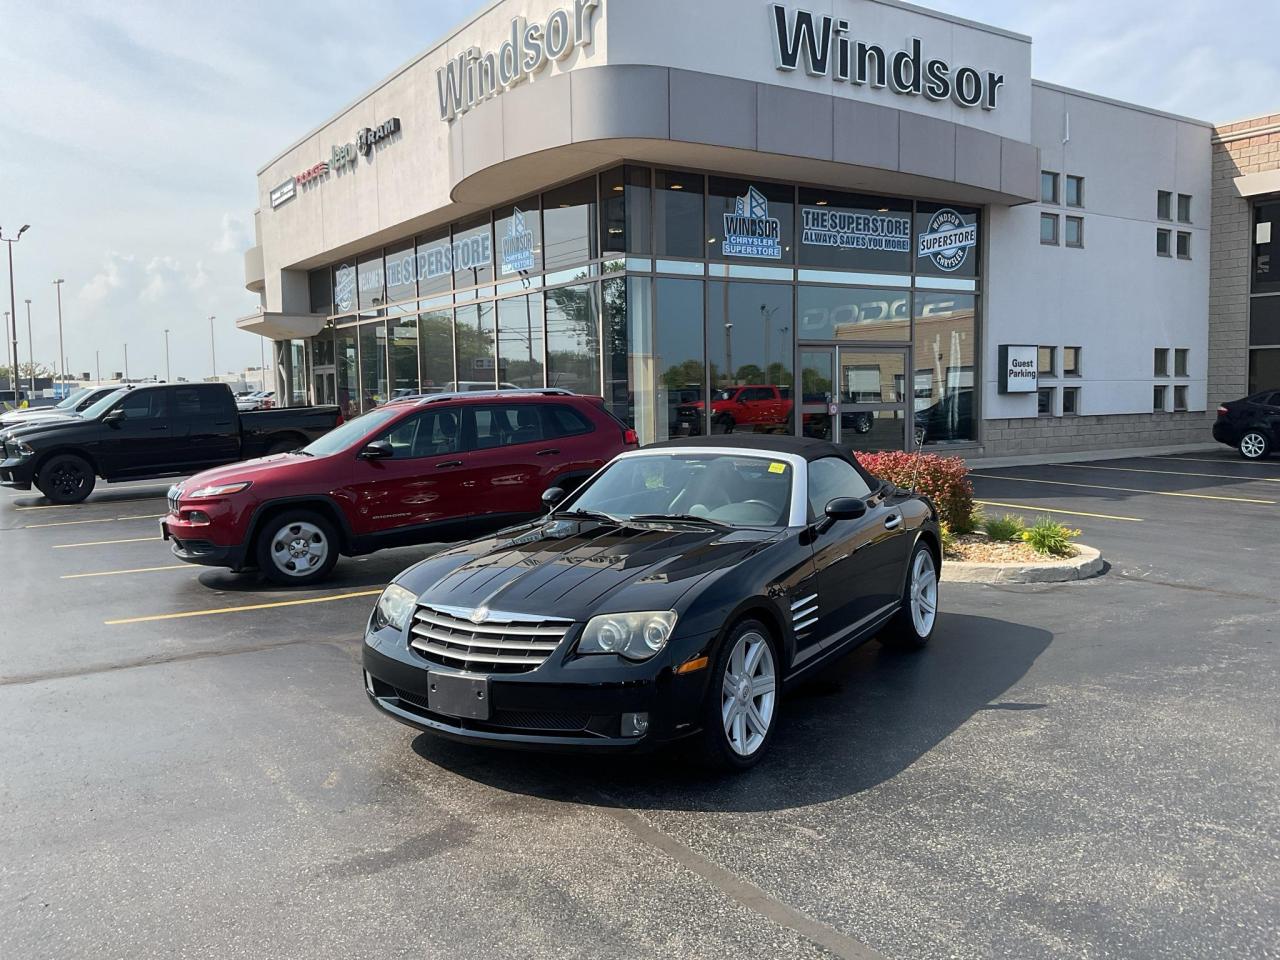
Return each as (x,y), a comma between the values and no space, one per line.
(948,539)
(944,480)
(1048,536)
(1005,528)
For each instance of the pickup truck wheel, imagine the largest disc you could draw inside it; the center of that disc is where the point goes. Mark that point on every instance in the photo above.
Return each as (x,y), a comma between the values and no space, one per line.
(725,423)
(297,548)
(66,478)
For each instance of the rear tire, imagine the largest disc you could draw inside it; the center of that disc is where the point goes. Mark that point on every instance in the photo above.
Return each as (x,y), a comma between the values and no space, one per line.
(741,708)
(297,548)
(66,478)
(1254,445)
(912,626)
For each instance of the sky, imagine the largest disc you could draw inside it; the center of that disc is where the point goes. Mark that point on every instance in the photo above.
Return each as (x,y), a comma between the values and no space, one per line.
(132,132)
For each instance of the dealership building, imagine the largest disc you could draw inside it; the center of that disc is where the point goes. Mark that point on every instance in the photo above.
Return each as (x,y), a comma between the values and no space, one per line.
(859,219)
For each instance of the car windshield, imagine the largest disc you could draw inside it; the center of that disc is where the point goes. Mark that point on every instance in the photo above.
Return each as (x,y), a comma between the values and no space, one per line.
(340,438)
(724,394)
(71,399)
(731,489)
(95,410)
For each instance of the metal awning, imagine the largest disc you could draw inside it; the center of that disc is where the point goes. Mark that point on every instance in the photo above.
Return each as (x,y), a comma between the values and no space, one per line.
(282,326)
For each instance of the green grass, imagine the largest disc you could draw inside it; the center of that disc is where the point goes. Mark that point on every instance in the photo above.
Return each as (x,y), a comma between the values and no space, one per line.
(1005,528)
(1048,536)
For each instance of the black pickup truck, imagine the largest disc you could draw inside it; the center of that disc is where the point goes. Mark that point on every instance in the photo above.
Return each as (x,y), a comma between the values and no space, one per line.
(142,432)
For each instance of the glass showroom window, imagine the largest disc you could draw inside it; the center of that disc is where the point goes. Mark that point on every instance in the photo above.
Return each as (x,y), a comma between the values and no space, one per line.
(476,335)
(373,285)
(573,340)
(668,368)
(626,217)
(853,313)
(291,372)
(344,287)
(520,348)
(569,222)
(323,370)
(434,263)
(346,374)
(472,251)
(848,231)
(320,286)
(749,220)
(1266,248)
(749,342)
(517,233)
(435,347)
(401,272)
(943,379)
(373,365)
(617,300)
(402,348)
(678,214)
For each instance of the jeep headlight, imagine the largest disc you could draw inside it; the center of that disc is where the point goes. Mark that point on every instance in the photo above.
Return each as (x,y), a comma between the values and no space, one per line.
(394,608)
(636,636)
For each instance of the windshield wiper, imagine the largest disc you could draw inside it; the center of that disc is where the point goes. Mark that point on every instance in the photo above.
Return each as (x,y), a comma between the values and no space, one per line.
(679,518)
(597,515)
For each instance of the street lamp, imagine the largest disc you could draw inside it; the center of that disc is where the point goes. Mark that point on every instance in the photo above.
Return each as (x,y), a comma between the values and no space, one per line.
(126,363)
(61,353)
(167,378)
(31,351)
(213,356)
(13,309)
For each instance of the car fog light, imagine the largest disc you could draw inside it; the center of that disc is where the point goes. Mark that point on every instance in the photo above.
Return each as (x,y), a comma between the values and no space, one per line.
(197,516)
(635,724)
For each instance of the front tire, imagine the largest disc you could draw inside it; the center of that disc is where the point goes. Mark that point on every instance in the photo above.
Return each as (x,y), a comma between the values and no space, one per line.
(912,626)
(66,478)
(297,548)
(1254,445)
(741,709)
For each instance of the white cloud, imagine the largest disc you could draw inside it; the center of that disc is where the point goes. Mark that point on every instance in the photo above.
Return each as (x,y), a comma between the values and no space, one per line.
(235,237)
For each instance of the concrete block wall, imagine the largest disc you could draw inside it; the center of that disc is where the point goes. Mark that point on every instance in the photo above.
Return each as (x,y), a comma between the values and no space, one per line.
(1020,436)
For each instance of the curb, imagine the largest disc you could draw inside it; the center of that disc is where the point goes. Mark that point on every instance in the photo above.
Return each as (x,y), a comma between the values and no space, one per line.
(1087,563)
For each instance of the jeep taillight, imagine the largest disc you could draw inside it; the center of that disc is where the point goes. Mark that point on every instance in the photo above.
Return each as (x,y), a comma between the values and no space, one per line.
(630,438)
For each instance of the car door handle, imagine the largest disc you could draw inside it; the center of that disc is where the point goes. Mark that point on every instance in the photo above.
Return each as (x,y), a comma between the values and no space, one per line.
(548,452)
(161,427)
(449,463)
(893,522)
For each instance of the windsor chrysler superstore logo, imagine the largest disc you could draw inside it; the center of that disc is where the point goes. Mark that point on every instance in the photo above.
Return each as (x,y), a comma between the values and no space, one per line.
(947,240)
(749,231)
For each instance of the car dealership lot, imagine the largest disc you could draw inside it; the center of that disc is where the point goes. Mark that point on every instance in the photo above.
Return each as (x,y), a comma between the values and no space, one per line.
(191,766)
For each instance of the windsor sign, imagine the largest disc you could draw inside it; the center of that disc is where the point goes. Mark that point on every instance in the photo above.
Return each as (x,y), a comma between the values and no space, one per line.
(474,77)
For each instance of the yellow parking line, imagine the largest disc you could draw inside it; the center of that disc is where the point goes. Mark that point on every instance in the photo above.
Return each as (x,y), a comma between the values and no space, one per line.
(92,503)
(1154,493)
(1171,473)
(103,543)
(1074,513)
(115,573)
(243,609)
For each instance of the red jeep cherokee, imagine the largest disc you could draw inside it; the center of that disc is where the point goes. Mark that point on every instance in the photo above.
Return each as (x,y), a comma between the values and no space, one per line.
(418,470)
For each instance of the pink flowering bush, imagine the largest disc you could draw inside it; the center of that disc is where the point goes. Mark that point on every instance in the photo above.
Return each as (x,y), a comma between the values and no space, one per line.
(944,480)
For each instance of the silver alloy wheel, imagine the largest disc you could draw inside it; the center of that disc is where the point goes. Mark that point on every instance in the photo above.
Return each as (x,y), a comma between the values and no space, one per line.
(924,593)
(1252,445)
(299,548)
(748,694)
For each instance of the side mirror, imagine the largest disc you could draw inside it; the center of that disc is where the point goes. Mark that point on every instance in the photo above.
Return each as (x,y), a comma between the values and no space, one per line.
(846,508)
(552,495)
(114,418)
(377,450)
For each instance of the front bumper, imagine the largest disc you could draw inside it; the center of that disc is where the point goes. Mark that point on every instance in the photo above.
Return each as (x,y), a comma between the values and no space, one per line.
(17,473)
(190,543)
(553,708)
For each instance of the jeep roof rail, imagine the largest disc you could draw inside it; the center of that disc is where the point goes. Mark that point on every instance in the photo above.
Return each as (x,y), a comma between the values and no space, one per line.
(522,392)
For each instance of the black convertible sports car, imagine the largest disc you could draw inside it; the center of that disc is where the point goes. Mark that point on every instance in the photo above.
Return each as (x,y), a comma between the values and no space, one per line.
(674,594)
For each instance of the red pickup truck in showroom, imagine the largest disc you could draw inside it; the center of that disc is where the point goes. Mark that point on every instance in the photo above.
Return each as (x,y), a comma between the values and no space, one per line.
(754,409)
(421,469)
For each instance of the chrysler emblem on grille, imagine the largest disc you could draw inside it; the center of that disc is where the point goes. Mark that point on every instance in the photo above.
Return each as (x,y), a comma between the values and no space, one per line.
(479,614)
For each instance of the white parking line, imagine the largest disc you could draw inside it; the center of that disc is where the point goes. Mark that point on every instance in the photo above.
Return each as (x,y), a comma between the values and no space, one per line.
(116,573)
(88,503)
(1171,473)
(103,543)
(71,523)
(1238,463)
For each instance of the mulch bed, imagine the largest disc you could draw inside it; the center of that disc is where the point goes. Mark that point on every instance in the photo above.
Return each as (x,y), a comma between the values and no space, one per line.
(976,548)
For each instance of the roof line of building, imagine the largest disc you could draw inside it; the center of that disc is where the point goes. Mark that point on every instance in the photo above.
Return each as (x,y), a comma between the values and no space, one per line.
(952,18)
(1072,91)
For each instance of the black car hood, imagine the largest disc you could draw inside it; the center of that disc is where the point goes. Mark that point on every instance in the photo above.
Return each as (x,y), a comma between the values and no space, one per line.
(38,425)
(576,569)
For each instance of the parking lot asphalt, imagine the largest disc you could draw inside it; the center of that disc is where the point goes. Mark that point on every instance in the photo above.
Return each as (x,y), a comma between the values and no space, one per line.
(189,766)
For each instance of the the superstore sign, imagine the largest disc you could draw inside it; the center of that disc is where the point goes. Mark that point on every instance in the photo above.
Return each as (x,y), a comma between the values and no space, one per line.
(849,230)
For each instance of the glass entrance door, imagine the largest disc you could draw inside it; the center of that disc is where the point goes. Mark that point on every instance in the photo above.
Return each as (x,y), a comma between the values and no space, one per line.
(854,396)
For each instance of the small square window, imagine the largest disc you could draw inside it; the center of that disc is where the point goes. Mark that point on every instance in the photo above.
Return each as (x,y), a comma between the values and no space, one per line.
(1162,243)
(1046,357)
(1179,399)
(1162,362)
(1049,228)
(1071,361)
(1181,362)
(1164,205)
(1184,208)
(1184,245)
(1075,191)
(1070,401)
(1157,399)
(1044,401)
(1048,187)
(1075,232)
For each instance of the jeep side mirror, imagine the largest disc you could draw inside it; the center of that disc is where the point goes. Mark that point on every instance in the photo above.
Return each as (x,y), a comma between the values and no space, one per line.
(378,450)
(552,495)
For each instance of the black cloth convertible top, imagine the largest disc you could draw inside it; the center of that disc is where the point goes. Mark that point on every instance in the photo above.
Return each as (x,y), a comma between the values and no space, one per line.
(808,447)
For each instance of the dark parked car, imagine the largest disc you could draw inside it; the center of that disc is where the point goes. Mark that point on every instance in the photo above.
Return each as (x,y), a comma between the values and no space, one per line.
(149,431)
(674,595)
(1251,425)
(417,470)
(76,402)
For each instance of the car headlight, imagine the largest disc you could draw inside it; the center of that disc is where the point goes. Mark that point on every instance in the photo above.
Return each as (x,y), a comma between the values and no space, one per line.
(24,449)
(636,636)
(394,608)
(218,490)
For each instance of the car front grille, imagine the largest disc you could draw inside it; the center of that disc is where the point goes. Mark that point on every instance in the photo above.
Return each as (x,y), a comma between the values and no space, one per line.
(498,643)
(172,498)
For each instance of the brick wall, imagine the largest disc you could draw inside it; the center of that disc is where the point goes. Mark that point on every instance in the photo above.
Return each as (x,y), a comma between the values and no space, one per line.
(1033,435)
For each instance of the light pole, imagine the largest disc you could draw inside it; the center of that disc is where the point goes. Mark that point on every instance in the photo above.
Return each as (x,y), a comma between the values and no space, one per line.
(126,363)
(31,351)
(97,366)
(13,373)
(13,309)
(213,356)
(62,357)
(167,378)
